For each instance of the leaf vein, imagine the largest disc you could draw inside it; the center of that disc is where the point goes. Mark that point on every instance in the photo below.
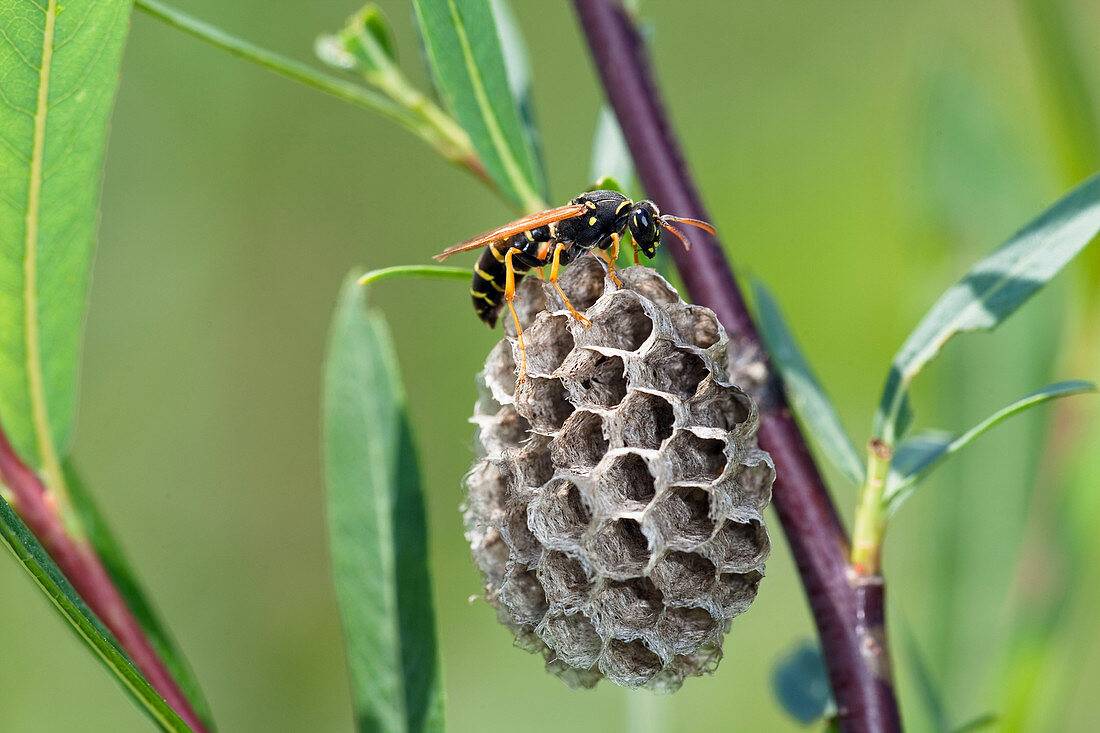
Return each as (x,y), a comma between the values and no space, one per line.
(14,150)
(15,107)
(86,72)
(492,123)
(76,30)
(35,378)
(18,52)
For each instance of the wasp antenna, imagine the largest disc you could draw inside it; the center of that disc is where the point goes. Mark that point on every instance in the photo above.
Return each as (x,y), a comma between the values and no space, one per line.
(693,222)
(682,237)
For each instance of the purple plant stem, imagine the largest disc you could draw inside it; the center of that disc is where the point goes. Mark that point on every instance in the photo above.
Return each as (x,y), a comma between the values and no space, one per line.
(849,611)
(80,564)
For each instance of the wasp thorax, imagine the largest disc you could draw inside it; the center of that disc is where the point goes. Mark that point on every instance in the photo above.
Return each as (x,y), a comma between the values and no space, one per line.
(616,508)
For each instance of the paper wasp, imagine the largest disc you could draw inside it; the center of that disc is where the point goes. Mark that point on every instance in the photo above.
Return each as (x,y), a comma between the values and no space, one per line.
(593,221)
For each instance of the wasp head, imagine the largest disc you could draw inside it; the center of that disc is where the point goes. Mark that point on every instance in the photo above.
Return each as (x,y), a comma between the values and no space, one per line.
(643,221)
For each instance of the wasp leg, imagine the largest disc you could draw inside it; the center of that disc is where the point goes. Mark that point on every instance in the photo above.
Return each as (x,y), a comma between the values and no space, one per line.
(633,246)
(509,296)
(609,256)
(539,273)
(554,267)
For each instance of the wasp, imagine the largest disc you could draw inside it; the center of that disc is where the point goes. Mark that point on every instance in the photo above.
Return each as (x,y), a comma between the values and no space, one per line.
(592,222)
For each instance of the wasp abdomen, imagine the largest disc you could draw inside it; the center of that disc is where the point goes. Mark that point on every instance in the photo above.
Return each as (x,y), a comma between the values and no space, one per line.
(487,289)
(491,275)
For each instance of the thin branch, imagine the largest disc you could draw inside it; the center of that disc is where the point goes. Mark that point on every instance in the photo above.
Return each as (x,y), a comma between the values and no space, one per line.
(440,132)
(84,570)
(850,619)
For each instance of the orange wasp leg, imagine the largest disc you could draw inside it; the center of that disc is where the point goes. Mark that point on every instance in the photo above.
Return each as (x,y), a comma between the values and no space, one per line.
(509,296)
(609,256)
(554,267)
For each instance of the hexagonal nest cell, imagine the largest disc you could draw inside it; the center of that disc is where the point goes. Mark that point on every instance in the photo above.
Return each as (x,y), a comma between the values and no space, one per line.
(615,508)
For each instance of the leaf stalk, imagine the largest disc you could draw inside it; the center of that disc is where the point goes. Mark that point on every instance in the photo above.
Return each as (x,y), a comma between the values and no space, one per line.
(871,512)
(400,103)
(423,271)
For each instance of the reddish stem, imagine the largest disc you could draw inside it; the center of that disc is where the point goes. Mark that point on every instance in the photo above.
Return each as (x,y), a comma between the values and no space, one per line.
(850,618)
(82,567)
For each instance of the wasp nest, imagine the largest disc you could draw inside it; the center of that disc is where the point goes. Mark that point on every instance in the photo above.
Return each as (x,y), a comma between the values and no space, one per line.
(616,511)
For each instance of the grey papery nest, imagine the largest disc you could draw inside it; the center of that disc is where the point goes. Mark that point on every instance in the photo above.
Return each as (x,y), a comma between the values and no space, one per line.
(616,508)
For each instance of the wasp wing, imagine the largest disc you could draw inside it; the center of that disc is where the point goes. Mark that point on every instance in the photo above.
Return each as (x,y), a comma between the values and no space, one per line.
(532,221)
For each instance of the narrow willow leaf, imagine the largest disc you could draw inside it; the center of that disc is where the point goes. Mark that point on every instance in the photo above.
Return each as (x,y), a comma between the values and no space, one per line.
(991,292)
(58,74)
(467,60)
(377,528)
(378,26)
(917,453)
(109,551)
(34,559)
(610,156)
(365,44)
(517,65)
(807,397)
(922,453)
(801,684)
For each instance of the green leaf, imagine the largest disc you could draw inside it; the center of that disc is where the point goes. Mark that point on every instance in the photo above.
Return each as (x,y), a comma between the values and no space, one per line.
(806,395)
(801,684)
(365,45)
(377,528)
(610,156)
(378,27)
(920,454)
(34,559)
(517,65)
(59,66)
(118,567)
(990,293)
(467,61)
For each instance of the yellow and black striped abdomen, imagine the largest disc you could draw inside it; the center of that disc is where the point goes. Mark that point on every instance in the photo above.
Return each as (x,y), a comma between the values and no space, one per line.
(491,271)
(490,278)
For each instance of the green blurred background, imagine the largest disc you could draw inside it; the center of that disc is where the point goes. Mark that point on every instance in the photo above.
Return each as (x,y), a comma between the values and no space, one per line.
(858,156)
